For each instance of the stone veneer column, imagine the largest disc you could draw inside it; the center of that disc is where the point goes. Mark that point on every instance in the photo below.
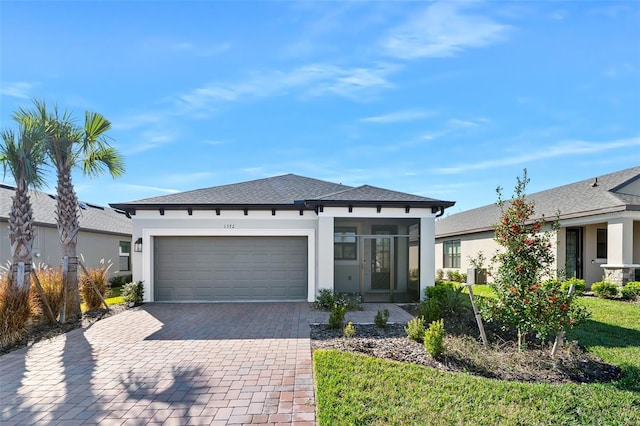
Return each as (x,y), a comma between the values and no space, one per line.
(619,268)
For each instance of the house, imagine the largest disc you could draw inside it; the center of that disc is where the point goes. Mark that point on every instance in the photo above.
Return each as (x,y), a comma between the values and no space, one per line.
(599,233)
(104,233)
(283,238)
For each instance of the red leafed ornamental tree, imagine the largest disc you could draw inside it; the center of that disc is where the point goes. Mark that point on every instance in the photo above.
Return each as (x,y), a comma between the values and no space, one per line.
(527,298)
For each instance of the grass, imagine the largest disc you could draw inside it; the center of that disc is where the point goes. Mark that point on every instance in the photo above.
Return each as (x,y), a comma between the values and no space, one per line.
(356,389)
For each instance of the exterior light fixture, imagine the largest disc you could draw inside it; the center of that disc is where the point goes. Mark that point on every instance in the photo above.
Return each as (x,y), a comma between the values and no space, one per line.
(137,246)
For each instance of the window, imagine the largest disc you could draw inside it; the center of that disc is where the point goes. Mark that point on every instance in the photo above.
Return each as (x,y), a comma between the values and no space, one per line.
(124,252)
(601,244)
(451,254)
(345,245)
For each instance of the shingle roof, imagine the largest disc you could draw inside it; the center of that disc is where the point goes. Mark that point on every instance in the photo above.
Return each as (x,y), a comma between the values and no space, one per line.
(92,218)
(285,191)
(573,200)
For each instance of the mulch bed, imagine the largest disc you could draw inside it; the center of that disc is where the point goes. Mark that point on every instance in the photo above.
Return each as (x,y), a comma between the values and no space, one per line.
(38,332)
(464,353)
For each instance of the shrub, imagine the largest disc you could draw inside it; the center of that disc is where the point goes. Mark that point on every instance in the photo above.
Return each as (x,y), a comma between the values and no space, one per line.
(434,338)
(381,318)
(95,278)
(604,289)
(631,290)
(579,286)
(415,329)
(133,292)
(327,298)
(336,317)
(51,283)
(430,310)
(439,275)
(14,311)
(120,280)
(443,298)
(349,330)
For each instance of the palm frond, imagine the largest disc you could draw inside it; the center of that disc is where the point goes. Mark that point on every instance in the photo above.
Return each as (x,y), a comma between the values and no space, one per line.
(101,160)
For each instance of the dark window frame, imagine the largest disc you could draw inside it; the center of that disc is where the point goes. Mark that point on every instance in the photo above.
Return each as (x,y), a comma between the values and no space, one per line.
(450,256)
(601,243)
(345,250)
(124,256)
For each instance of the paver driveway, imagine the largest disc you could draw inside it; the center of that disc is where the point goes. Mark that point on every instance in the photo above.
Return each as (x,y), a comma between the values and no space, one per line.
(231,363)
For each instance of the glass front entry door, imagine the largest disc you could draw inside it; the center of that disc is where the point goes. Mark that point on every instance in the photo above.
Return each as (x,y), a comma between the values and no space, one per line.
(573,263)
(377,264)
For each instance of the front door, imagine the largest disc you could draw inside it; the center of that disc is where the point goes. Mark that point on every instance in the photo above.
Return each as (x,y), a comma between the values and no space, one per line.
(574,253)
(379,264)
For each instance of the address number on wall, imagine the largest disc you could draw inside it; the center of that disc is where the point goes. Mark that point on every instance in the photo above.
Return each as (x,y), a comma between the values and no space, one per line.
(229,226)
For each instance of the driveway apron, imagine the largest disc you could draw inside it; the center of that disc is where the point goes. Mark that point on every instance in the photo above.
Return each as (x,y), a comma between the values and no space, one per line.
(163,363)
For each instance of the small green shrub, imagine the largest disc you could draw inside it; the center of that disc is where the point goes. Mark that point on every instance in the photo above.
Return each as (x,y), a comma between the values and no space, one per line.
(443,298)
(579,286)
(415,329)
(439,275)
(604,289)
(631,290)
(381,318)
(349,330)
(133,292)
(430,310)
(434,339)
(327,298)
(336,317)
(120,280)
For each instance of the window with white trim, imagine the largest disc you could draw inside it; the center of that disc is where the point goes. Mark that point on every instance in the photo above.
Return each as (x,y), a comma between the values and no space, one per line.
(124,252)
(451,254)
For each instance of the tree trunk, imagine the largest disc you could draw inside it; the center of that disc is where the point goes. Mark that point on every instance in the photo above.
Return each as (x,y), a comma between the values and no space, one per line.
(68,226)
(21,235)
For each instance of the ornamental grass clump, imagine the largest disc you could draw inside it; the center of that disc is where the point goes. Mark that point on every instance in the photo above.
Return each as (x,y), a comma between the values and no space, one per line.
(52,286)
(526,298)
(95,279)
(14,311)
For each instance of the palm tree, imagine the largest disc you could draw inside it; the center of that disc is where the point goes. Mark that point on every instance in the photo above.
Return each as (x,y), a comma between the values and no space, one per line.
(69,145)
(23,155)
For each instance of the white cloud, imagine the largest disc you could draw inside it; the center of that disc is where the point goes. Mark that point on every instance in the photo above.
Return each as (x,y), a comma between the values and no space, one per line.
(17,89)
(442,30)
(309,80)
(399,116)
(560,149)
(165,46)
(146,188)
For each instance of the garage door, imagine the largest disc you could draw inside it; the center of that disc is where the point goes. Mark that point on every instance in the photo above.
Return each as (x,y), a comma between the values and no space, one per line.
(230,268)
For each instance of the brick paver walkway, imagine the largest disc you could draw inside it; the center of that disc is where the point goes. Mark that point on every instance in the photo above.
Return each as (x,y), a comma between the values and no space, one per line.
(232,363)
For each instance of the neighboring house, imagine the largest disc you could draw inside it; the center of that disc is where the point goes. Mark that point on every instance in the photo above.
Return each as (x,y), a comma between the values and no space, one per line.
(104,233)
(599,231)
(283,238)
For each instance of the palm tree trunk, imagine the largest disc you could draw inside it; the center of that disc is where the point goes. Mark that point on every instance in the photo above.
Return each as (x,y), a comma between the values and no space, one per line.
(68,227)
(21,235)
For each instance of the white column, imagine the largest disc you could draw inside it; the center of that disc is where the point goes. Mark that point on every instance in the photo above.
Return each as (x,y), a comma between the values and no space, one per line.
(620,241)
(427,253)
(324,255)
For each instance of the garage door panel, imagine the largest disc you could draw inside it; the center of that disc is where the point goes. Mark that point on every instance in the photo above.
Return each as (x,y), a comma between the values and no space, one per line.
(230,268)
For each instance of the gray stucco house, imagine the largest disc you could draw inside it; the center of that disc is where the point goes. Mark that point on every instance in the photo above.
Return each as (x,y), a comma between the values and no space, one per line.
(599,233)
(283,238)
(105,233)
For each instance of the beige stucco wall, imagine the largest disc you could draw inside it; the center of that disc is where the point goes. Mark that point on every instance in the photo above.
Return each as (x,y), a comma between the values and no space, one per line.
(48,250)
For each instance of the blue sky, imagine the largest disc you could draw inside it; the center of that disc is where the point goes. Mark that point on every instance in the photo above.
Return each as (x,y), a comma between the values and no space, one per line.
(445,100)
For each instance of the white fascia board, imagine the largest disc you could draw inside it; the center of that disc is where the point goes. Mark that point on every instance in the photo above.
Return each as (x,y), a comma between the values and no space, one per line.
(372,212)
(224,214)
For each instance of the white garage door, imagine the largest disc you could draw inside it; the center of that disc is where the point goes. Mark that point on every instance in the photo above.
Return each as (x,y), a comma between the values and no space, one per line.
(230,268)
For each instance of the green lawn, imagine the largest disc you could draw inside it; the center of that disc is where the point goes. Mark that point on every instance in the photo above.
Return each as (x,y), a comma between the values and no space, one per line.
(114,298)
(356,389)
